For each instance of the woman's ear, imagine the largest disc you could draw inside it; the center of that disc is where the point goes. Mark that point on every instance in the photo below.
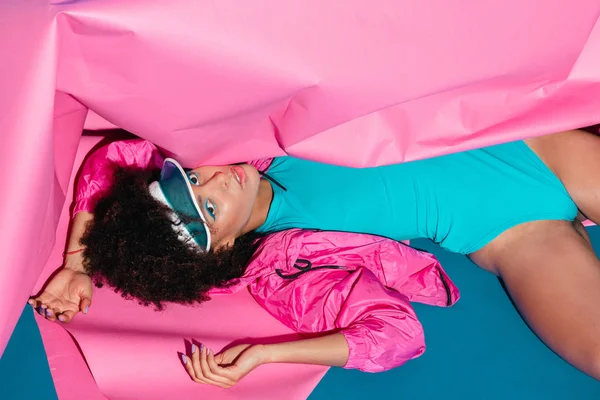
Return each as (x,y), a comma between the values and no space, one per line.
(226,244)
(230,242)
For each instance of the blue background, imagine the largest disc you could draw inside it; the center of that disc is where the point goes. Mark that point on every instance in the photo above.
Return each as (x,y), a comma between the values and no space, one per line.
(478,349)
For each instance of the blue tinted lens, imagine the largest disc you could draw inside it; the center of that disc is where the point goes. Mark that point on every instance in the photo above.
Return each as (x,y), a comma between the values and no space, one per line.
(175,188)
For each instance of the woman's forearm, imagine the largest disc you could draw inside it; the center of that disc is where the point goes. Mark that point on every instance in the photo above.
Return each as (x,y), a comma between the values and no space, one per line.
(331,350)
(78,225)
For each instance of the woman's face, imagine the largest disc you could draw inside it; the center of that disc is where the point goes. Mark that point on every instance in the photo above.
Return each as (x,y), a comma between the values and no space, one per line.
(226,195)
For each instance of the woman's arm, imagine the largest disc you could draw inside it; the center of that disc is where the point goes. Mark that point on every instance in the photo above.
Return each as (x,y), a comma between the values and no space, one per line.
(331,350)
(363,326)
(70,289)
(74,253)
(228,367)
(361,323)
(95,178)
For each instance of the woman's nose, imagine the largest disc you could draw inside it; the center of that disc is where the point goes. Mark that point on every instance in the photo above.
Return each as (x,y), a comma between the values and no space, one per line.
(220,180)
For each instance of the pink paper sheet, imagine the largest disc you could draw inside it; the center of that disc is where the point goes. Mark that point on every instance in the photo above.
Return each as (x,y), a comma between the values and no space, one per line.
(358,83)
(132,351)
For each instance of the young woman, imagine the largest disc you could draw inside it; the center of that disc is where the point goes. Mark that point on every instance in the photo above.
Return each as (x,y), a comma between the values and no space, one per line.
(515,209)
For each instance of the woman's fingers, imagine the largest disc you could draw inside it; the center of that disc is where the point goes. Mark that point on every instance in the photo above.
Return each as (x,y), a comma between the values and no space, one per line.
(36,305)
(203,365)
(66,316)
(43,298)
(194,370)
(216,370)
(54,309)
(50,314)
(45,310)
(187,363)
(205,369)
(219,359)
(84,305)
(39,303)
(40,308)
(212,363)
(194,362)
(33,302)
(197,367)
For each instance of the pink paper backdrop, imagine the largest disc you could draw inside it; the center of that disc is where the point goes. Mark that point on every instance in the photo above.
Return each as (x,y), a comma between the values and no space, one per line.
(132,351)
(356,83)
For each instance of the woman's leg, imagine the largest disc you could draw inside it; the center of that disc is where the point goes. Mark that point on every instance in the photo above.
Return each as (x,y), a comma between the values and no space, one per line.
(549,267)
(553,276)
(574,156)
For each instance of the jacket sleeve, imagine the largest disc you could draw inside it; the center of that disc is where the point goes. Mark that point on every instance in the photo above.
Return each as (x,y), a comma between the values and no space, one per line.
(97,171)
(379,324)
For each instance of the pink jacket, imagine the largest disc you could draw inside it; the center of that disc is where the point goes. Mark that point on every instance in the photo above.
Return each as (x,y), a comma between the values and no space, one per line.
(318,281)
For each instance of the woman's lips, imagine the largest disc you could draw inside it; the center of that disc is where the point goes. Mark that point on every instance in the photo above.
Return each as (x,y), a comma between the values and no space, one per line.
(239,174)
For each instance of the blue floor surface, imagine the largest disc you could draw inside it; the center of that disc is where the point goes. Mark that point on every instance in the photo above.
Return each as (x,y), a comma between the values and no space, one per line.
(24,371)
(478,349)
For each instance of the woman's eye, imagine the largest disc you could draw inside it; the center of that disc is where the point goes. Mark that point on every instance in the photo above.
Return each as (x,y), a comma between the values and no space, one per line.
(193,177)
(210,208)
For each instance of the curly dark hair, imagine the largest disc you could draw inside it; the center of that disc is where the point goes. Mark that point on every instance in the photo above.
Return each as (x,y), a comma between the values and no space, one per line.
(131,246)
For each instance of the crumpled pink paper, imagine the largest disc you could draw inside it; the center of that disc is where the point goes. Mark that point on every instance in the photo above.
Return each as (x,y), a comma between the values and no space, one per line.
(355,83)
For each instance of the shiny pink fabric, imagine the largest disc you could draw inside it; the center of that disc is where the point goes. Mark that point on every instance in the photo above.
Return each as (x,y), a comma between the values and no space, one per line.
(363,83)
(368,301)
(96,173)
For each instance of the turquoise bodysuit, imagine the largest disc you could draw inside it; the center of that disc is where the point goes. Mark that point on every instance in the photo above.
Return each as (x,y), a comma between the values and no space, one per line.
(461,201)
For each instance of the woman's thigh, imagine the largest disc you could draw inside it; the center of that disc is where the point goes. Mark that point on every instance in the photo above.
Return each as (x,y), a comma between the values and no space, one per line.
(574,156)
(553,275)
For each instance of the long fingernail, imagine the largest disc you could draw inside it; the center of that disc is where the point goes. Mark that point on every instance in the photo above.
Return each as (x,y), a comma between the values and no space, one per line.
(184,358)
(193,348)
(61,318)
(48,312)
(30,301)
(87,308)
(201,347)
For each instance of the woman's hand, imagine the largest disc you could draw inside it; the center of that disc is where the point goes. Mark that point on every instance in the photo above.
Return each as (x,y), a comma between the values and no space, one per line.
(68,292)
(70,289)
(226,368)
